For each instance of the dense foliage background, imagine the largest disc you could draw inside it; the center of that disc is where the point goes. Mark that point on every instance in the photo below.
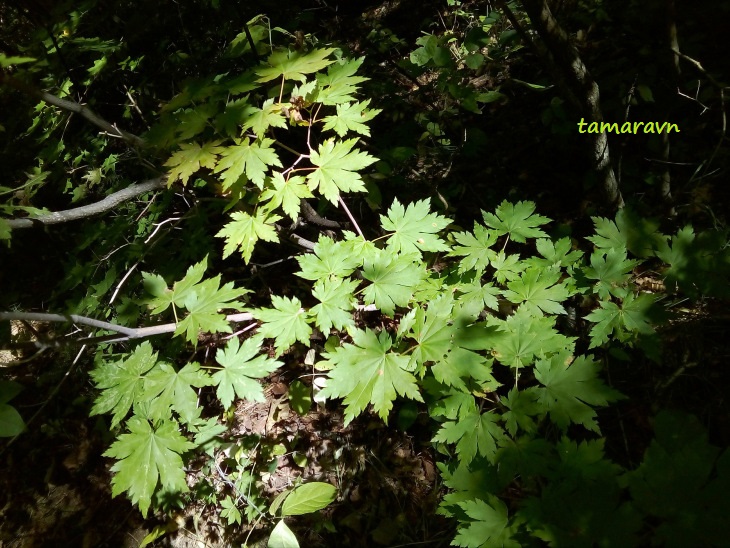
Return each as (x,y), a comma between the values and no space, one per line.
(349,275)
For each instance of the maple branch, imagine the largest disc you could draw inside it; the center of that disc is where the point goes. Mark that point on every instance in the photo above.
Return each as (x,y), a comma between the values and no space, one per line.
(90,210)
(72,106)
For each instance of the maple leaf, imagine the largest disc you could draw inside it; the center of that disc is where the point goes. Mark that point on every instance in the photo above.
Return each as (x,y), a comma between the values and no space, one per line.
(476,248)
(122,382)
(330,259)
(611,270)
(473,433)
(634,315)
(414,228)
(393,280)
(571,387)
(253,159)
(261,119)
(174,390)
(537,289)
(194,120)
(522,405)
(490,525)
(336,300)
(554,253)
(340,84)
(245,230)
(229,121)
(286,323)
(287,193)
(366,372)
(507,267)
(293,65)
(242,365)
(638,234)
(517,220)
(351,117)
(475,296)
(337,166)
(146,456)
(204,304)
(431,331)
(190,158)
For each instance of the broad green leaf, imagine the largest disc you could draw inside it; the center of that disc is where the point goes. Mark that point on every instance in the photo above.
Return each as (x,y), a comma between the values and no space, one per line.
(11,423)
(5,230)
(476,248)
(308,498)
(393,278)
(250,158)
(571,389)
(204,304)
(245,230)
(287,193)
(337,166)
(330,259)
(336,300)
(300,397)
(192,121)
(611,270)
(340,84)
(282,537)
(191,158)
(368,372)
(554,253)
(259,120)
(432,332)
(242,365)
(229,511)
(414,228)
(634,315)
(474,434)
(507,267)
(146,456)
(293,65)
(475,296)
(522,405)
(518,220)
(169,389)
(122,382)
(286,323)
(539,290)
(351,117)
(489,525)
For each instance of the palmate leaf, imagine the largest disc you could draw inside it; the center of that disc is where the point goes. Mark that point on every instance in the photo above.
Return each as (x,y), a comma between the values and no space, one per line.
(204,304)
(336,300)
(242,366)
(518,220)
(474,434)
(571,388)
(287,193)
(414,228)
(169,389)
(351,117)
(245,230)
(293,65)
(330,258)
(393,278)
(146,456)
(190,158)
(340,84)
(337,166)
(367,372)
(554,253)
(611,271)
(539,290)
(261,119)
(432,332)
(286,323)
(490,525)
(476,248)
(634,315)
(250,158)
(122,382)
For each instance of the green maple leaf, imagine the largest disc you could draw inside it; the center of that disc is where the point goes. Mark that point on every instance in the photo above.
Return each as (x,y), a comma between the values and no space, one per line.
(630,231)
(261,119)
(336,300)
(204,303)
(190,158)
(122,382)
(330,259)
(235,113)
(518,220)
(293,65)
(571,390)
(253,159)
(340,84)
(287,193)
(414,228)
(473,433)
(432,332)
(539,290)
(476,248)
(523,336)
(393,278)
(523,406)
(490,525)
(635,315)
(554,253)
(611,270)
(169,389)
(459,364)
(475,296)
(245,230)
(146,456)
(285,323)
(194,121)
(351,117)
(337,166)
(507,267)
(242,365)
(366,372)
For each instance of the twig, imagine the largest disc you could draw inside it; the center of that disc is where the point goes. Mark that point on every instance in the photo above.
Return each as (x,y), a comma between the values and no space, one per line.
(352,219)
